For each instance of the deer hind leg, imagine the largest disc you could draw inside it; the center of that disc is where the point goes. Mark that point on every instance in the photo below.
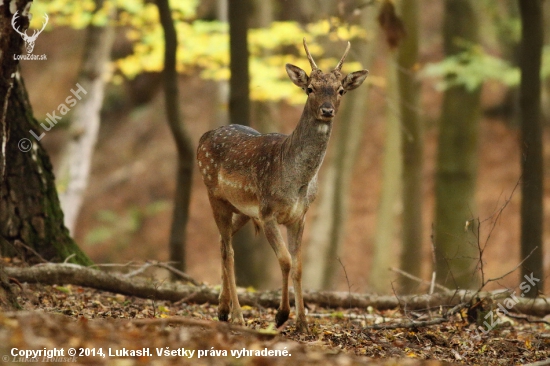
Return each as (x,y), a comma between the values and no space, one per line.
(274,237)
(228,299)
(295,232)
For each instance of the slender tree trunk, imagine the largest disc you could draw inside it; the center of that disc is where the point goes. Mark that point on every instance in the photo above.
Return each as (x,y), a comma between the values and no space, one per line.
(328,228)
(531,142)
(412,145)
(77,156)
(31,220)
(184,145)
(222,86)
(456,171)
(239,84)
(545,98)
(389,207)
(250,262)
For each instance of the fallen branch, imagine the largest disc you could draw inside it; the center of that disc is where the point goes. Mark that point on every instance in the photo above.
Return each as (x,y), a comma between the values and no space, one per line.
(66,273)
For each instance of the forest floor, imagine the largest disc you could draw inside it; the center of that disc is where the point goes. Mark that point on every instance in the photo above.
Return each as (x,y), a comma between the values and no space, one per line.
(116,328)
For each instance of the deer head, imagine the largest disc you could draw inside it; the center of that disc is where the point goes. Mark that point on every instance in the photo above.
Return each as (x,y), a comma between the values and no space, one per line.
(29,40)
(324,90)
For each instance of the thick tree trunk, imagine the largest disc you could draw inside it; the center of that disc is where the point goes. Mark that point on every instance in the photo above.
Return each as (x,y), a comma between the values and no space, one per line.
(184,145)
(456,171)
(412,145)
(531,142)
(31,220)
(77,156)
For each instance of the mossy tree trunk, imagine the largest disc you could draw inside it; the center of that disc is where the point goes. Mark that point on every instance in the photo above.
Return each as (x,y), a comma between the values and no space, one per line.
(31,219)
(456,172)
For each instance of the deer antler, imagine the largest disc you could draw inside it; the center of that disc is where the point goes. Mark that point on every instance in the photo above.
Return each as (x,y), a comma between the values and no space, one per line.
(309,57)
(15,16)
(339,65)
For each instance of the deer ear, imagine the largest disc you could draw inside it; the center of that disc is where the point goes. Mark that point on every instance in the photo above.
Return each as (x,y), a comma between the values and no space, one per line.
(297,75)
(353,80)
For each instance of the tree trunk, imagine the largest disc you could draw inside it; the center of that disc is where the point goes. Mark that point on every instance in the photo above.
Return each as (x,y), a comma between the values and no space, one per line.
(184,145)
(531,142)
(31,220)
(456,172)
(389,207)
(77,155)
(545,98)
(412,145)
(328,227)
(8,298)
(250,258)
(222,86)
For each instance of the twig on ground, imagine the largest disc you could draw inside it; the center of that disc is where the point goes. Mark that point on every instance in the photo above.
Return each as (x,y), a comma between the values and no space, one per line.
(19,243)
(69,257)
(183,275)
(347,279)
(420,280)
(135,272)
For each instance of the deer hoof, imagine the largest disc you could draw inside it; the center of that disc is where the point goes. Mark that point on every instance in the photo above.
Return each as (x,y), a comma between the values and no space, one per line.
(223,314)
(237,318)
(301,326)
(281,317)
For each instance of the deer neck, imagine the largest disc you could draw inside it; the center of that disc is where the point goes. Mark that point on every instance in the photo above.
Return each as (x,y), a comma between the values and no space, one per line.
(304,149)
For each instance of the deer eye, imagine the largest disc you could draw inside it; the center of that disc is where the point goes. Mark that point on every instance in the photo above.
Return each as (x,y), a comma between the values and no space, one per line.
(342,91)
(309,91)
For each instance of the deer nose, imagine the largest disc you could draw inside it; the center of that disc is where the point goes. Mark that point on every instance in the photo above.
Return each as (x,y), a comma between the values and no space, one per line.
(327,110)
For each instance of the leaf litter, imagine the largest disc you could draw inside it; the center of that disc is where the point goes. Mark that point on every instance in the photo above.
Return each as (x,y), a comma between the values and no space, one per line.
(78,317)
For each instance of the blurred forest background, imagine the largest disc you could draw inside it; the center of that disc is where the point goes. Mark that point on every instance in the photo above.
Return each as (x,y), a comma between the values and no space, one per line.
(442,91)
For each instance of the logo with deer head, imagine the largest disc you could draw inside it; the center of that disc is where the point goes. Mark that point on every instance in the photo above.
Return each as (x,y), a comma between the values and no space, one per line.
(29,40)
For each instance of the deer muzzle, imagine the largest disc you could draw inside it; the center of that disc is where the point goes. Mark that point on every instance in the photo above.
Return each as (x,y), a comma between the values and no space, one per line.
(327,110)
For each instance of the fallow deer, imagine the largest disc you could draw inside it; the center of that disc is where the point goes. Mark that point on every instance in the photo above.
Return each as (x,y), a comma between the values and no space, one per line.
(272,179)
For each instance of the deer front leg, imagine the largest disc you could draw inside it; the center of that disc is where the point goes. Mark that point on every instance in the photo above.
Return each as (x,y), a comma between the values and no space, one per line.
(295,232)
(276,241)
